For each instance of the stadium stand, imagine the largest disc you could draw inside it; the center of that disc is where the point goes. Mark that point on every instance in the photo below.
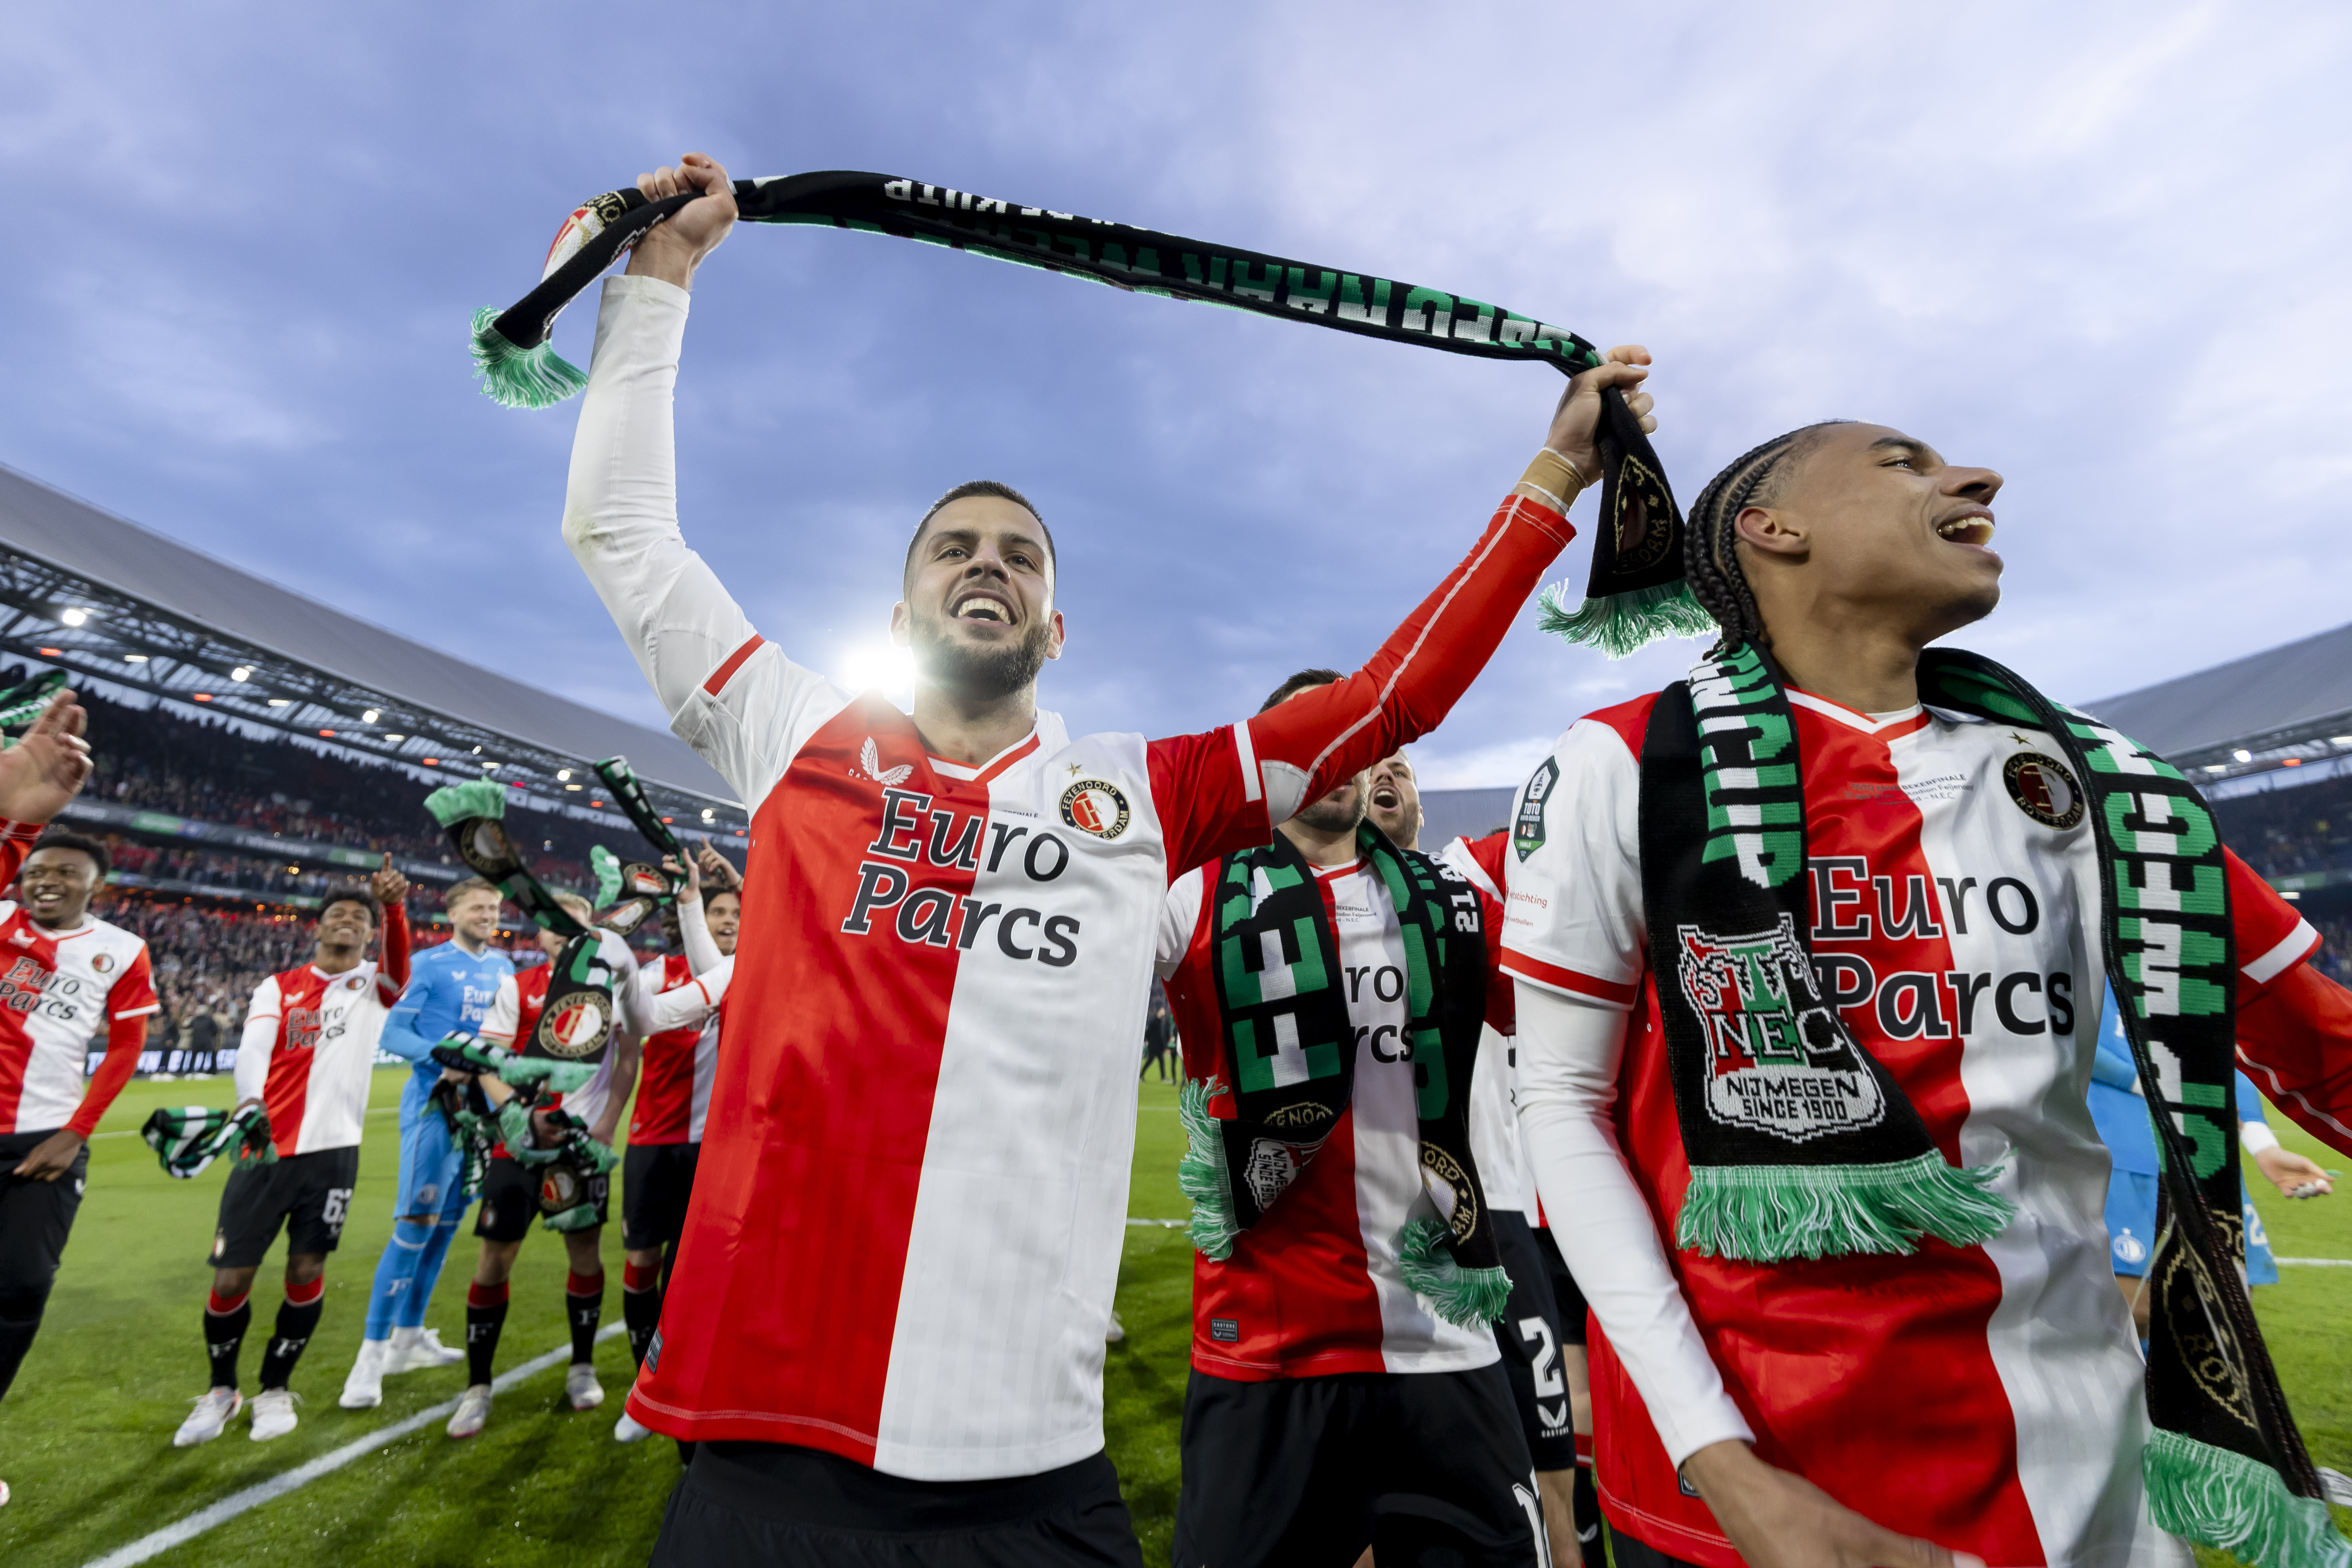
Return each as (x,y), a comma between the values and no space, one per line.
(256,748)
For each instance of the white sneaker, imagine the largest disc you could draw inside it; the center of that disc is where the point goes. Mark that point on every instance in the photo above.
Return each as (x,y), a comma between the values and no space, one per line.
(3,1494)
(1115,1333)
(629,1429)
(473,1411)
(273,1414)
(215,1408)
(419,1350)
(2336,1486)
(363,1389)
(581,1386)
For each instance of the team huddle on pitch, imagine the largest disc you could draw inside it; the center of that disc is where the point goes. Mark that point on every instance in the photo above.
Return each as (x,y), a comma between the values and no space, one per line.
(1753,1050)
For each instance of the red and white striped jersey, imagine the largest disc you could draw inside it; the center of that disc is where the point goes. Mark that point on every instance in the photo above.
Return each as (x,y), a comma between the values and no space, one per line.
(1955,901)
(514,1014)
(1315,1288)
(59,990)
(904,1242)
(309,1052)
(674,1084)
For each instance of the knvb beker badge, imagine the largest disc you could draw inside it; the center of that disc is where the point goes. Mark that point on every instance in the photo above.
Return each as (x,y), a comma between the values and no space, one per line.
(1780,1061)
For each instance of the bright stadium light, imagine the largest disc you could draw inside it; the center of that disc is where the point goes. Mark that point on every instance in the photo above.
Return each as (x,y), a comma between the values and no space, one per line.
(395,737)
(563,775)
(134,658)
(709,814)
(2339,739)
(74,617)
(880,665)
(369,717)
(281,702)
(240,672)
(2243,755)
(2217,767)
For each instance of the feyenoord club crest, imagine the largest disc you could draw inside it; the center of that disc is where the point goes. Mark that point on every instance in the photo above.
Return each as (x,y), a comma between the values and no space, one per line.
(1090,806)
(575,1026)
(1780,1061)
(559,1188)
(2043,789)
(1273,1165)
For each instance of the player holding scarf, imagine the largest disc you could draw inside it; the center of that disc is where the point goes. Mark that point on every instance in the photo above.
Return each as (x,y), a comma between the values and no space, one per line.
(1809,952)
(890,1314)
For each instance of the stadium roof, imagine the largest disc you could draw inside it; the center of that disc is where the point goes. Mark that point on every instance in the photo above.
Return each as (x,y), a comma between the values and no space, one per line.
(160,617)
(2283,707)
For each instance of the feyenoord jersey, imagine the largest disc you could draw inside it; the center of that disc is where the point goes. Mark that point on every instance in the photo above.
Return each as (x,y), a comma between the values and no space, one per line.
(58,991)
(907,1235)
(1314,1287)
(674,1084)
(1495,1088)
(1987,1398)
(308,1050)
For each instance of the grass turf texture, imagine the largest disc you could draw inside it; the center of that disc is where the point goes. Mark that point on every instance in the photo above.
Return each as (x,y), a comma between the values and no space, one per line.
(85,1436)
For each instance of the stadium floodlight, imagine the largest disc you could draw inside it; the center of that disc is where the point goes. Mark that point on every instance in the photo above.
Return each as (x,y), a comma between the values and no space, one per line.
(134,658)
(477,751)
(73,618)
(240,672)
(395,737)
(571,787)
(709,814)
(369,717)
(2339,739)
(2217,767)
(563,775)
(2243,755)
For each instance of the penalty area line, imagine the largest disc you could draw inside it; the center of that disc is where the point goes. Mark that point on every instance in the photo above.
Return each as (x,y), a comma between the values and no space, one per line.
(301,1476)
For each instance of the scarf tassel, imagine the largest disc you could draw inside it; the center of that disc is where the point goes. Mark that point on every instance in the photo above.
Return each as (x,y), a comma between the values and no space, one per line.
(1765,1213)
(1200,1174)
(1466,1297)
(518,377)
(1623,624)
(2222,1499)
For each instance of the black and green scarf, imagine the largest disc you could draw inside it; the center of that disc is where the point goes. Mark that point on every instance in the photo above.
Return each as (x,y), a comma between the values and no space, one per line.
(26,701)
(634,889)
(188,1138)
(582,1003)
(1801,1145)
(1289,1050)
(1635,591)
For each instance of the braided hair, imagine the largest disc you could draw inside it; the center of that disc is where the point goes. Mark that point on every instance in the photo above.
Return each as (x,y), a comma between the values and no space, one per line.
(1710,552)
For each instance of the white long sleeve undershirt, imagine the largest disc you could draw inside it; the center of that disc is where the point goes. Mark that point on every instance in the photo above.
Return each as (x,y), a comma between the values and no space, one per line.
(1570,1051)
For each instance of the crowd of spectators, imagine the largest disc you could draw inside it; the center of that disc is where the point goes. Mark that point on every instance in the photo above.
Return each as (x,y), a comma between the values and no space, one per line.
(2281,832)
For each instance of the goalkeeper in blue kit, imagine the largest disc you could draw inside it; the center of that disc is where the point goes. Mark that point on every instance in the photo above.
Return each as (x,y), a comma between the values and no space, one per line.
(450,988)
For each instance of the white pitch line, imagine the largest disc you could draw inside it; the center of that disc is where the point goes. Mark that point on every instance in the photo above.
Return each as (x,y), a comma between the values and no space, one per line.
(301,1476)
(1174,1224)
(2318,1262)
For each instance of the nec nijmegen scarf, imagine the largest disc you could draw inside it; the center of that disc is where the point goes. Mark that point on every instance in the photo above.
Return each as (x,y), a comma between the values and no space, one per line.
(1635,591)
(1801,1145)
(1288,1049)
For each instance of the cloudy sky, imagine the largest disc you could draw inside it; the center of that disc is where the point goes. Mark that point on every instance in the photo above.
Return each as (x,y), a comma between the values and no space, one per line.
(2102,247)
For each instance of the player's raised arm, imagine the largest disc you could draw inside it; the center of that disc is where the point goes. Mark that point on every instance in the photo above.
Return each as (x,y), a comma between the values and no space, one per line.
(729,694)
(1294,752)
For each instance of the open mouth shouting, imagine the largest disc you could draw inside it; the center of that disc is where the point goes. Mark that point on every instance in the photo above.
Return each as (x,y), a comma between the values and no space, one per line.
(1972,527)
(983,604)
(1385,796)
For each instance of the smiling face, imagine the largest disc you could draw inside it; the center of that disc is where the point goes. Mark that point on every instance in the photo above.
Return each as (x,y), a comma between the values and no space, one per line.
(1395,801)
(979,606)
(724,913)
(56,885)
(1871,524)
(345,925)
(474,915)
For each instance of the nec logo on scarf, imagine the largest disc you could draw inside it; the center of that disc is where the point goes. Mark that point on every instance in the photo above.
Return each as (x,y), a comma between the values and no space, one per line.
(1527,834)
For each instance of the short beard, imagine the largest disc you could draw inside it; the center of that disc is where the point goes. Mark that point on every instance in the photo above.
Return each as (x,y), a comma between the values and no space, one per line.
(978,675)
(1328,816)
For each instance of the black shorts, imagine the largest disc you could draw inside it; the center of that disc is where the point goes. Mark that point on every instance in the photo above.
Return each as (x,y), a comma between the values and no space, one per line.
(656,1179)
(510,1200)
(36,1217)
(1306,1472)
(310,1195)
(1567,1299)
(777,1506)
(1529,1337)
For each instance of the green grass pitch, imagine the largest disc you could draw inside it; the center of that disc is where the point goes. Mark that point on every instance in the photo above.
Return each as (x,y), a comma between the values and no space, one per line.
(85,1436)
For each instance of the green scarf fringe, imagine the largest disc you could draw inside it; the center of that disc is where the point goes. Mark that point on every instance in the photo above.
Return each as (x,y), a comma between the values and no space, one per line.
(1765,1214)
(453,803)
(521,378)
(1623,624)
(1466,1297)
(607,867)
(1200,1174)
(2211,1495)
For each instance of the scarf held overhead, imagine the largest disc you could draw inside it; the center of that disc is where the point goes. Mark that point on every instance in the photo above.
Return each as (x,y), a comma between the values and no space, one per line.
(1635,591)
(1289,1053)
(1801,1144)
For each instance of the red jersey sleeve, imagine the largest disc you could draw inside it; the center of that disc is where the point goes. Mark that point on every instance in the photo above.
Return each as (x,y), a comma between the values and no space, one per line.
(2294,1024)
(129,1003)
(1227,789)
(16,843)
(392,972)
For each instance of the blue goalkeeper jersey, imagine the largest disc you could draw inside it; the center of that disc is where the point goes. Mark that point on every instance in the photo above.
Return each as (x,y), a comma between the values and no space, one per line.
(449,989)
